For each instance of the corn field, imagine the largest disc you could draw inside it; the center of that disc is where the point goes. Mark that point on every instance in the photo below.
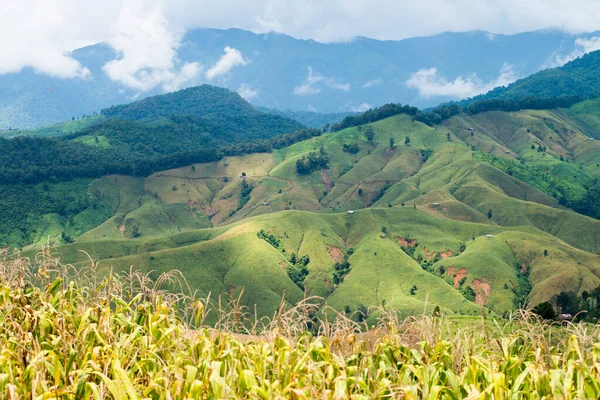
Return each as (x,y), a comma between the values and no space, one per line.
(86,334)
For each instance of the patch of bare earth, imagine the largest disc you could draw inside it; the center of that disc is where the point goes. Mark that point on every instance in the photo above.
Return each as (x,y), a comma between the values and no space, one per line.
(406,243)
(429,255)
(122,229)
(458,276)
(446,254)
(326,180)
(336,254)
(482,291)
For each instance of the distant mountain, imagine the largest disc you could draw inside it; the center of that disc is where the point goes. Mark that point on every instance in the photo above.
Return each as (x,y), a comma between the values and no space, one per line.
(286,73)
(310,118)
(580,77)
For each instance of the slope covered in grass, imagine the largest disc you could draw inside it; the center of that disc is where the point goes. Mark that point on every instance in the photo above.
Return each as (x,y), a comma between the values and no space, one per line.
(395,213)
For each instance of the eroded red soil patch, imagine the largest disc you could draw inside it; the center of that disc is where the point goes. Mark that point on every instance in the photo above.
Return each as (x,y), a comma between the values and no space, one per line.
(406,243)
(458,276)
(446,254)
(482,291)
(336,254)
(326,180)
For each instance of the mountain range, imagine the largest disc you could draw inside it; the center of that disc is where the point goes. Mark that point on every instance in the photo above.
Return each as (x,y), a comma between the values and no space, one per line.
(282,72)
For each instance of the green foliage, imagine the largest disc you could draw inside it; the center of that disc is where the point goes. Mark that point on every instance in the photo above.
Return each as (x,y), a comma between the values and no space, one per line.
(298,269)
(341,269)
(426,153)
(523,287)
(545,310)
(350,148)
(270,238)
(468,293)
(313,162)
(245,191)
(26,210)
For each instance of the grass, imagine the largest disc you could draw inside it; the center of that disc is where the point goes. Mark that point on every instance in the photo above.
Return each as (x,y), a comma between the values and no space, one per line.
(77,335)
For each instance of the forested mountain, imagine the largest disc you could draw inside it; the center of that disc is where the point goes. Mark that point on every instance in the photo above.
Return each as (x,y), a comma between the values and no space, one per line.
(279,69)
(580,77)
(191,125)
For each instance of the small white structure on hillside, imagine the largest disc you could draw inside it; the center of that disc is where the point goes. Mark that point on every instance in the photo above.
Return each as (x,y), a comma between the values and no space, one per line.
(350,212)
(489,236)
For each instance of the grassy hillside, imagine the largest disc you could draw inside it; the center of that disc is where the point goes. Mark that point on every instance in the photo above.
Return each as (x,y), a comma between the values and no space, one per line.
(396,213)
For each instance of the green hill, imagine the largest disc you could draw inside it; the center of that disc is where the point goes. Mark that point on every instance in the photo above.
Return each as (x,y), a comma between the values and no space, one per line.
(478,211)
(579,77)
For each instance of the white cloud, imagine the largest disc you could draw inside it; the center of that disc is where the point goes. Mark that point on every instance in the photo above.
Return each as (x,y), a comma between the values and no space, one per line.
(311,85)
(40,33)
(246,91)
(582,47)
(333,84)
(430,83)
(362,107)
(306,90)
(232,58)
(371,83)
(148,50)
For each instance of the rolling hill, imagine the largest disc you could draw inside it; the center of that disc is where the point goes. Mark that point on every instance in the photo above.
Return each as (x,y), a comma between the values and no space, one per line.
(351,76)
(476,211)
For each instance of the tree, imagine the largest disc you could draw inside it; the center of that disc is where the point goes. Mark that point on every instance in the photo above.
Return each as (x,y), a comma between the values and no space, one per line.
(360,191)
(490,214)
(369,133)
(545,253)
(413,290)
(545,310)
(567,302)
(407,140)
(392,142)
(244,174)
(363,313)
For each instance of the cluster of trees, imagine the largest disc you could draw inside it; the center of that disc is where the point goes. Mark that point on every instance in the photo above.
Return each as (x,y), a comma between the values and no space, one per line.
(298,269)
(270,238)
(351,148)
(313,162)
(584,306)
(341,269)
